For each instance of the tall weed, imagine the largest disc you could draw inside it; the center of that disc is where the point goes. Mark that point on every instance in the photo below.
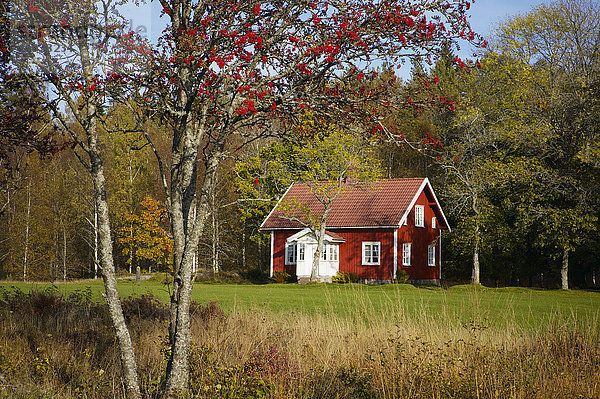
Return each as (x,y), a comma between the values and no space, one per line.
(64,347)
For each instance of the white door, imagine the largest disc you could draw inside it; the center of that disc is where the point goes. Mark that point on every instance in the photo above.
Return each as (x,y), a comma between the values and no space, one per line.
(304,267)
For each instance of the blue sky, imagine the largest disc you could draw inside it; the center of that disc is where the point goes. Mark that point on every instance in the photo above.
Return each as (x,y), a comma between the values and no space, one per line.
(485,14)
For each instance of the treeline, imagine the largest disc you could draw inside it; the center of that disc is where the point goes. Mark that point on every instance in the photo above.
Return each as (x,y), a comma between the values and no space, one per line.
(514,157)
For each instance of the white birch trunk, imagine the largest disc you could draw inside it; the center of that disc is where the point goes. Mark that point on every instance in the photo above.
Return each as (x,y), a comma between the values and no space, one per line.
(126,351)
(564,270)
(96,260)
(320,241)
(244,247)
(27,221)
(64,252)
(475,272)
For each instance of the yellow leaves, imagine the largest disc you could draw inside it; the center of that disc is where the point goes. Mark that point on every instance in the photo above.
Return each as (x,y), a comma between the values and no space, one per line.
(145,237)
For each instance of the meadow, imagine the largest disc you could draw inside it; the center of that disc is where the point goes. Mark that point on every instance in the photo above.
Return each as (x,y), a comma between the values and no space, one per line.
(287,340)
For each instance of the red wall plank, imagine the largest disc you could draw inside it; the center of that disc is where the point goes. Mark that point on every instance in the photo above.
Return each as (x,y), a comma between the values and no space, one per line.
(279,251)
(351,253)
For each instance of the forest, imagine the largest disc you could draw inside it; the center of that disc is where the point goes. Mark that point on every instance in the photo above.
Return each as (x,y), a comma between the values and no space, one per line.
(513,154)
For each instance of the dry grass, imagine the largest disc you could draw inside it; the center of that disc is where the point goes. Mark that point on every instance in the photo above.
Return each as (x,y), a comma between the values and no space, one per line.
(51,346)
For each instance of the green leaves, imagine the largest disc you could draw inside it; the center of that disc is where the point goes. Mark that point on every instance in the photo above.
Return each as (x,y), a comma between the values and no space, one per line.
(322,156)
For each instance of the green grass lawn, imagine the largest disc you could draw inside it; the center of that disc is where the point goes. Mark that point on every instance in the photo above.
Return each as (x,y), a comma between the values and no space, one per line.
(462,304)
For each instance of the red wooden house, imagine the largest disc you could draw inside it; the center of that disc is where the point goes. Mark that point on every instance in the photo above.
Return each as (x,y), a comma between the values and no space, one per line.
(373,231)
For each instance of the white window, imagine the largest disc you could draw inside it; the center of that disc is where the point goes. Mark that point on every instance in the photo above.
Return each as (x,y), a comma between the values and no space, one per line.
(301,250)
(406,253)
(371,252)
(433,223)
(333,252)
(419,216)
(290,253)
(329,252)
(431,255)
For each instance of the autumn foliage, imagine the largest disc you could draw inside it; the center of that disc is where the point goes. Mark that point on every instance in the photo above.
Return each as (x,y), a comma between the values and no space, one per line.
(145,238)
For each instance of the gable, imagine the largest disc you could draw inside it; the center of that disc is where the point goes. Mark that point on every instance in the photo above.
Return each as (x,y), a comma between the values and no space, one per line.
(383,203)
(425,196)
(306,235)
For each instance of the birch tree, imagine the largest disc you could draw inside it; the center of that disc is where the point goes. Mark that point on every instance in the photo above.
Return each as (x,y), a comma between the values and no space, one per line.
(326,159)
(60,49)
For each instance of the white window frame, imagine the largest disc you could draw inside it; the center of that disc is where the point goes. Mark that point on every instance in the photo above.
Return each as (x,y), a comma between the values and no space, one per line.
(333,252)
(300,251)
(419,216)
(330,252)
(368,257)
(433,223)
(431,255)
(406,254)
(290,253)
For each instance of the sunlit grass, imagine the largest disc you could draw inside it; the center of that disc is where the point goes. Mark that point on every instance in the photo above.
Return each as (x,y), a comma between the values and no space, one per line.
(496,307)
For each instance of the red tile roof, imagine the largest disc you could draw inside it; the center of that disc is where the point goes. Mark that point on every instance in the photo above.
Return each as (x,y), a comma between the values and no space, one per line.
(381,203)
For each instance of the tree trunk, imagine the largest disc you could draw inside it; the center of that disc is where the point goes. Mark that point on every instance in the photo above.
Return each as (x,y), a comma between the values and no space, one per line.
(195,260)
(564,270)
(215,237)
(127,354)
(244,247)
(178,367)
(186,235)
(131,248)
(27,220)
(320,241)
(475,271)
(64,252)
(96,260)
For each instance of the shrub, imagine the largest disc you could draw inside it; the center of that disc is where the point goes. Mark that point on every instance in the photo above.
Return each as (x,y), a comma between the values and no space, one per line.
(207,313)
(343,278)
(401,277)
(256,276)
(146,307)
(222,277)
(280,277)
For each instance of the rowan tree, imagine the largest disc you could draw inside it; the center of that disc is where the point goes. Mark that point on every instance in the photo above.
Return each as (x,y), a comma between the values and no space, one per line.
(225,67)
